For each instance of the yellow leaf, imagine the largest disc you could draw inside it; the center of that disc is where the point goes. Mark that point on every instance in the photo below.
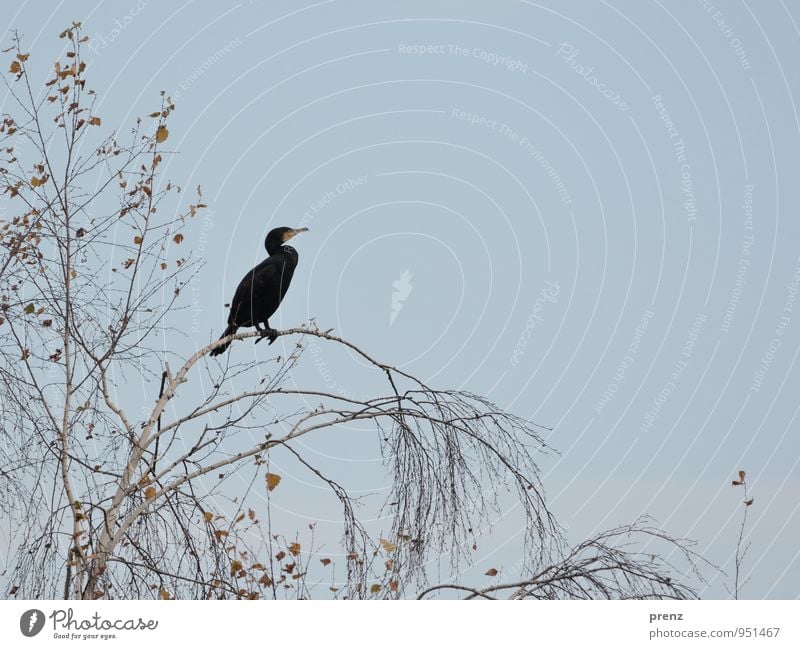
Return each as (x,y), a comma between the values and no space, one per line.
(376,588)
(294,548)
(161,134)
(164,593)
(208,517)
(178,238)
(273,480)
(491,572)
(388,545)
(150,493)
(38,182)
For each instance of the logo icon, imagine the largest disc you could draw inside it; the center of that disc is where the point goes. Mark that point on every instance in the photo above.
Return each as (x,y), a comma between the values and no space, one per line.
(402,289)
(31,622)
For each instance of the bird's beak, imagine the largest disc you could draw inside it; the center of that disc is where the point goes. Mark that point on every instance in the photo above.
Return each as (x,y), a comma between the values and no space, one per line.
(292,233)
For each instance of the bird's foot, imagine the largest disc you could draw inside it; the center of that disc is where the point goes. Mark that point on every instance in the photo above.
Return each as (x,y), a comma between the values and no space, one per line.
(272,334)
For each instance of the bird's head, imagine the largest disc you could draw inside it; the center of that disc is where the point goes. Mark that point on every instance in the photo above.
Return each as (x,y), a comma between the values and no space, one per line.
(279,236)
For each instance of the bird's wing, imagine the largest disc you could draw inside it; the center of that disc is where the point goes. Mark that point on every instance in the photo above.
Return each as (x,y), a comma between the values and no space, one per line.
(241,305)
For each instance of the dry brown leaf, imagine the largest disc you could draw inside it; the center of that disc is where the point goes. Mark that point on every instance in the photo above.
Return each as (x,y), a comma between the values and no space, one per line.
(294,549)
(388,545)
(491,572)
(273,480)
(161,134)
(150,493)
(741,475)
(324,562)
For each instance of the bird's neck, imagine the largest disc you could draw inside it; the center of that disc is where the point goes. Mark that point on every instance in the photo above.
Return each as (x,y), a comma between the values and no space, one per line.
(281,248)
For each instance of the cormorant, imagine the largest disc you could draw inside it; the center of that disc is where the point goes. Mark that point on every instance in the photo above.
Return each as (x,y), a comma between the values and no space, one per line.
(260,292)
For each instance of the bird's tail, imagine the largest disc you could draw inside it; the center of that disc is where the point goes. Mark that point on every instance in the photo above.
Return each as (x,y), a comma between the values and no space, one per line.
(219,350)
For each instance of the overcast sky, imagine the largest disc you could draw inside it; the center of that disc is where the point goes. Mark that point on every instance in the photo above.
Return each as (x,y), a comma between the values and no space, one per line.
(586,211)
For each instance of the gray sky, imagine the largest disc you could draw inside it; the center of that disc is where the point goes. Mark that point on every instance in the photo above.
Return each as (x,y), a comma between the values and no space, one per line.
(586,211)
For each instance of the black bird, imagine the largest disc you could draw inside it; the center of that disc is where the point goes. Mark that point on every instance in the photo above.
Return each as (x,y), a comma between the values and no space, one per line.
(260,292)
